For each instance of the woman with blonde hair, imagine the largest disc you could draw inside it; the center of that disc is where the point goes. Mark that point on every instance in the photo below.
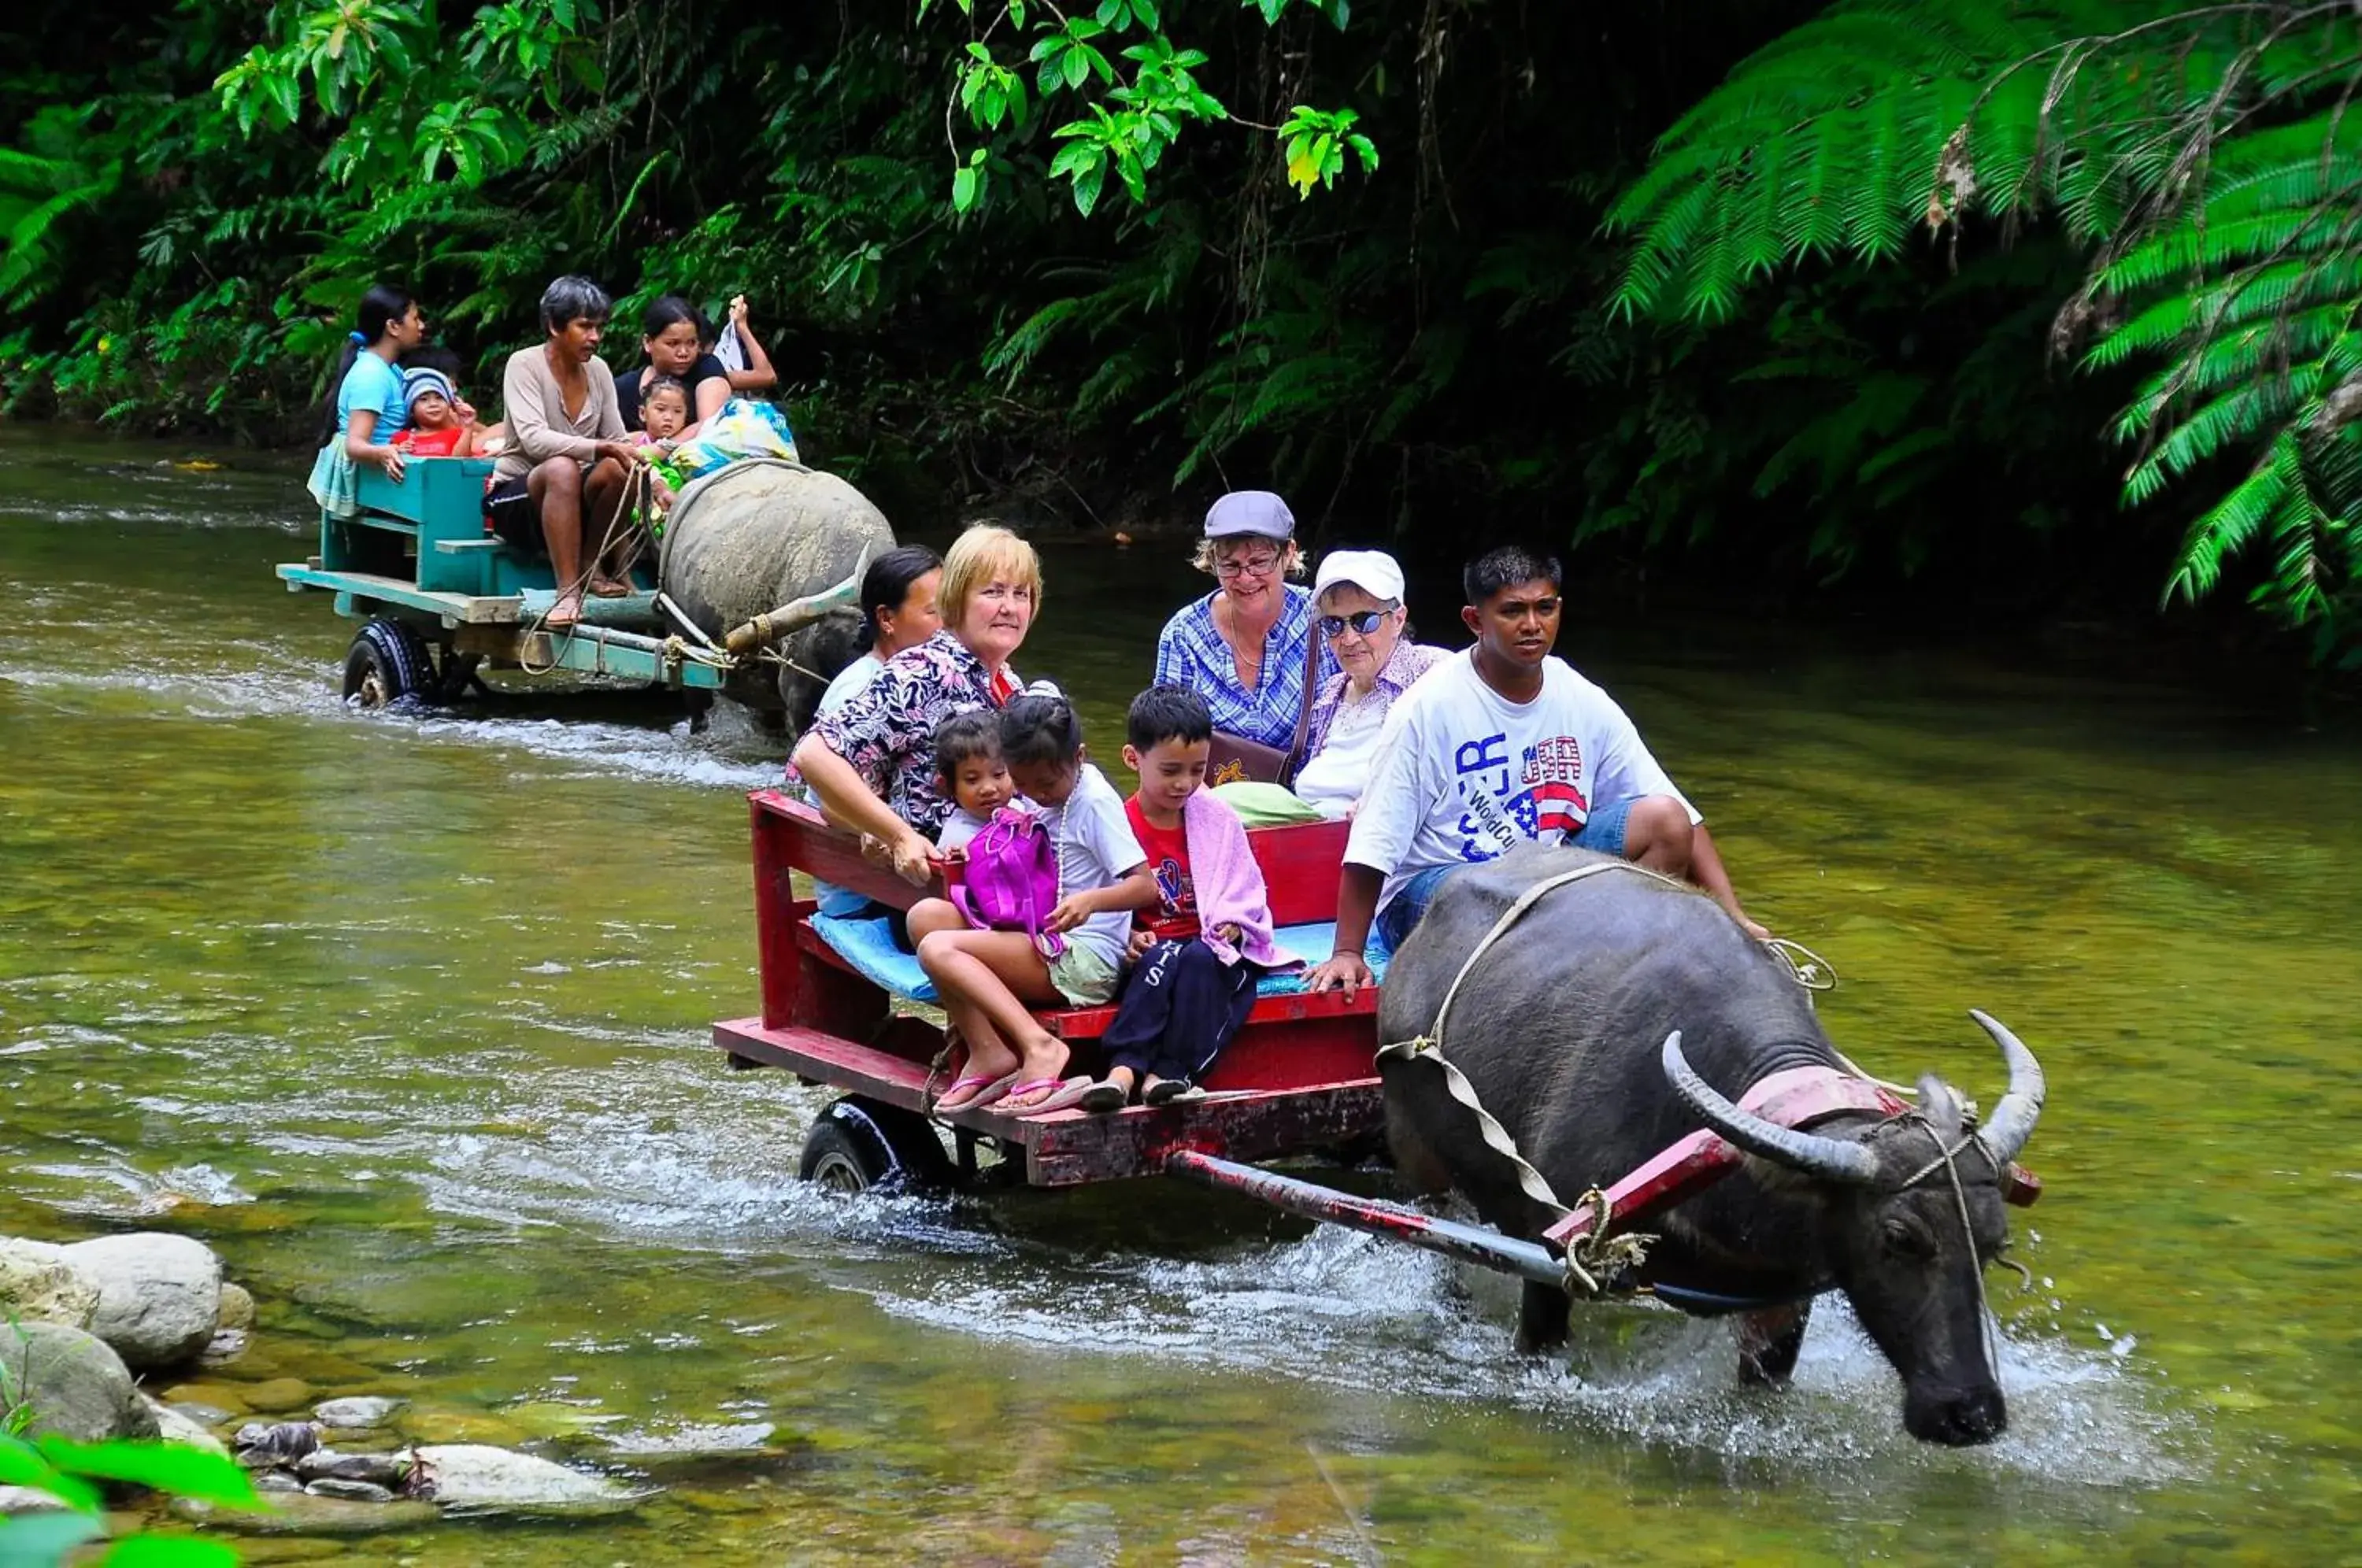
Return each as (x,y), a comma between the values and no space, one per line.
(872,762)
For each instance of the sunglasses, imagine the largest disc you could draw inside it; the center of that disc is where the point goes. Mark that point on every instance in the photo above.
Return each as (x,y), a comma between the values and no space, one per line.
(1362,623)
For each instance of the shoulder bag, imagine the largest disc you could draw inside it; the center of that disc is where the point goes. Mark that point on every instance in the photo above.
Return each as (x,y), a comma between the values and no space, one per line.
(1235,760)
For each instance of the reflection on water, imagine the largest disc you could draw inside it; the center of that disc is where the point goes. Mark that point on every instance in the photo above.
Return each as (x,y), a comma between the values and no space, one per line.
(405,1014)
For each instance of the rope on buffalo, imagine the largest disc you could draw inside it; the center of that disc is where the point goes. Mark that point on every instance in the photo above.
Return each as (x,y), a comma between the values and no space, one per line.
(1595,1257)
(1947,1158)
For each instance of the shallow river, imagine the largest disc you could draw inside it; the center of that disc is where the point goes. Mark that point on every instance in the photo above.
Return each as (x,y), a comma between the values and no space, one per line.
(407,1016)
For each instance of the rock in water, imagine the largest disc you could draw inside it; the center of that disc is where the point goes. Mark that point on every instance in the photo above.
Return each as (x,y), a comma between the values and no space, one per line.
(38,1282)
(237,1310)
(28,1500)
(76,1386)
(351,1491)
(260,1446)
(377,1469)
(159,1295)
(757,535)
(473,1478)
(173,1426)
(361,1410)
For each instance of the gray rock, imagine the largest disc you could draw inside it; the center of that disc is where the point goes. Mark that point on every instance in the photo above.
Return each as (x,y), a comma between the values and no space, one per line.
(175,1426)
(377,1469)
(159,1295)
(276,1481)
(78,1388)
(351,1491)
(261,1447)
(237,1309)
(38,1282)
(28,1500)
(294,1513)
(475,1478)
(362,1410)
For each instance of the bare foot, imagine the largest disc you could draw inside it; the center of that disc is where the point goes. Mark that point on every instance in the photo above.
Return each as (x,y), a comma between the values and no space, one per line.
(604,587)
(565,613)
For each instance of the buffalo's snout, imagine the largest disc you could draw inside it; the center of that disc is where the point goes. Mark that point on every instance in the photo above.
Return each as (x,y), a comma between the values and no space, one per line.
(1960,1418)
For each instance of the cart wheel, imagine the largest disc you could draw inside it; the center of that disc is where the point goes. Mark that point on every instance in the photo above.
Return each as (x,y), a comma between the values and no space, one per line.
(857,1144)
(386,663)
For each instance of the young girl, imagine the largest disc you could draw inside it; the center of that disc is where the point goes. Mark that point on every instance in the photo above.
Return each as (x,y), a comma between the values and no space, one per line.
(664,411)
(986,978)
(970,766)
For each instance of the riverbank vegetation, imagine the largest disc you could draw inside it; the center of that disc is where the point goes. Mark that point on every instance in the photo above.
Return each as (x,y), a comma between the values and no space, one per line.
(2048,309)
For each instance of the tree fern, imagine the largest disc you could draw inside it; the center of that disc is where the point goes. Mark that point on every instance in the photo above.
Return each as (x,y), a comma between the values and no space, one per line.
(2209,158)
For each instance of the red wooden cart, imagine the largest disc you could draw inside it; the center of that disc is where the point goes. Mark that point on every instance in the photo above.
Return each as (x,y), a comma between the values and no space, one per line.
(1298,1077)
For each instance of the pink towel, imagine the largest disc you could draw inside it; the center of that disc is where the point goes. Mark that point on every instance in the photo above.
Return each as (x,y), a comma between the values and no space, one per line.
(1230,885)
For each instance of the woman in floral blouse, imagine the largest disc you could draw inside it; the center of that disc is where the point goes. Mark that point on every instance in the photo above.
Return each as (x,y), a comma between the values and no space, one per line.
(872,762)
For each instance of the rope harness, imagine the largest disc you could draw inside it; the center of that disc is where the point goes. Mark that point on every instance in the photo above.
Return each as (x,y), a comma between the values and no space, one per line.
(1593,1258)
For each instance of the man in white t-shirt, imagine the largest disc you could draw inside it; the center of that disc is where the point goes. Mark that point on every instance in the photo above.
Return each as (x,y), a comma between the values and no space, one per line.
(1496,746)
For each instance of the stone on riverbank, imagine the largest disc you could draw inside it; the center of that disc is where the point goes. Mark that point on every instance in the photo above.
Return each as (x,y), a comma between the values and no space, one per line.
(78,1388)
(38,1282)
(472,1478)
(360,1410)
(298,1513)
(177,1426)
(159,1295)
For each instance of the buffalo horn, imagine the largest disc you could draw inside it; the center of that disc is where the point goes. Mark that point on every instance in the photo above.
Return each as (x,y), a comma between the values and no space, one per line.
(2012,1121)
(1833,1159)
(797,613)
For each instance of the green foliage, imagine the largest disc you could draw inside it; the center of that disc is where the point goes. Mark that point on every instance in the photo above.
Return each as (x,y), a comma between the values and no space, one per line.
(67,1469)
(2204,158)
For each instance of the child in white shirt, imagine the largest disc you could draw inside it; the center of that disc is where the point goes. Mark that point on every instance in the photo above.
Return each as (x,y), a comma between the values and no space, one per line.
(986,978)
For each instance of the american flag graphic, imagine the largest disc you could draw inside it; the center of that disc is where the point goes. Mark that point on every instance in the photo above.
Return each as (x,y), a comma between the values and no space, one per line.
(1549,807)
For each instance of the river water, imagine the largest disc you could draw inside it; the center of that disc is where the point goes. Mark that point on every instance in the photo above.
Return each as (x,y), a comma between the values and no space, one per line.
(406,1015)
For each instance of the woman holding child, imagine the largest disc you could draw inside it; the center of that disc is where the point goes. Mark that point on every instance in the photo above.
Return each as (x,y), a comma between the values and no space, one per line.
(872,761)
(671,342)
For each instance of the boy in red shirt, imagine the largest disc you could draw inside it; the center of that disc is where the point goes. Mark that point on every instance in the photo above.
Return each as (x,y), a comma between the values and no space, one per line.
(1182,999)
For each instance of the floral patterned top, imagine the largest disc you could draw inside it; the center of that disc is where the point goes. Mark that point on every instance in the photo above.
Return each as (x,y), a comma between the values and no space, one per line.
(1405,665)
(887,730)
(1191,653)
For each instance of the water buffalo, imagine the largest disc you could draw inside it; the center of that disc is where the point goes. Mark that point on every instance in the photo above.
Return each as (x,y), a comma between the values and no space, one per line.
(1580,1030)
(758,536)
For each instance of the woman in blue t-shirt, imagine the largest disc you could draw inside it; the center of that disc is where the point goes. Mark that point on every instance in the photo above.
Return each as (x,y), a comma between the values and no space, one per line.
(367,409)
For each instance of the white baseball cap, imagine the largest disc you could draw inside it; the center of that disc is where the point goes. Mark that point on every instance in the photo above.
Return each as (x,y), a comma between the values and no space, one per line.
(1372,572)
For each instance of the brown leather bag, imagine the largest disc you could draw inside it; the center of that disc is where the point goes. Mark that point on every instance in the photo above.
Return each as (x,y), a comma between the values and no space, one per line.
(1234,759)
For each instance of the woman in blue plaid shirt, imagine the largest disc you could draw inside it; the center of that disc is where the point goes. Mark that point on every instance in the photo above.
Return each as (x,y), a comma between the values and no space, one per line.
(1241,648)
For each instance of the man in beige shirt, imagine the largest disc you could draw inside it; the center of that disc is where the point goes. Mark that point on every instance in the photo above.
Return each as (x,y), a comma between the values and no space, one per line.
(566,448)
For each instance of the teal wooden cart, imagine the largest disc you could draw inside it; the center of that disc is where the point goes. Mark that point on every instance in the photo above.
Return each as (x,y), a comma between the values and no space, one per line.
(440,600)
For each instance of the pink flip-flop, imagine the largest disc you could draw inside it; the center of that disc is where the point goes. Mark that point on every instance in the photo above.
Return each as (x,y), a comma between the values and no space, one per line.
(1069,1092)
(994,1088)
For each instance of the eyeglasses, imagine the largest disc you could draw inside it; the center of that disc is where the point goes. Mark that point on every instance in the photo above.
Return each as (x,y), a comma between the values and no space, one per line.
(1249,566)
(1362,622)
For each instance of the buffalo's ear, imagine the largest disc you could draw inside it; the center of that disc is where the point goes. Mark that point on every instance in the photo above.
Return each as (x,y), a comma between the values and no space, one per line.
(1940,1106)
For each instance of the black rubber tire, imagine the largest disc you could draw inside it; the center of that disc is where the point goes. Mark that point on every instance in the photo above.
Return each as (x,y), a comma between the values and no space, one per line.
(859,1145)
(387,662)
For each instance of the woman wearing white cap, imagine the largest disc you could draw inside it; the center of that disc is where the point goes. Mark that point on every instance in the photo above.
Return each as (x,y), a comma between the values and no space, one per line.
(1244,648)
(1358,596)
(1358,613)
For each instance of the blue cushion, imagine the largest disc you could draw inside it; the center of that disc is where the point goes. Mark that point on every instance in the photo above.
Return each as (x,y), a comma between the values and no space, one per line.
(869,946)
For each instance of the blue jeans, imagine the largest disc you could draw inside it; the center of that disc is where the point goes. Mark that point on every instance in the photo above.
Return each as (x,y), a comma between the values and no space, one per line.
(1603,831)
